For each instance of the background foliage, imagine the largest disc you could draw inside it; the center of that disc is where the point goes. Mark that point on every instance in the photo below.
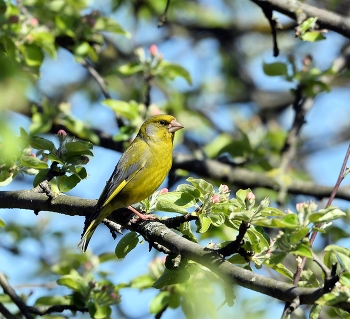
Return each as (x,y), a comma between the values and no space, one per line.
(77,80)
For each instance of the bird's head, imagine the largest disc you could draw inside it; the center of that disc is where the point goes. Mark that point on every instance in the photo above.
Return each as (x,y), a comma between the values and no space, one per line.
(159,128)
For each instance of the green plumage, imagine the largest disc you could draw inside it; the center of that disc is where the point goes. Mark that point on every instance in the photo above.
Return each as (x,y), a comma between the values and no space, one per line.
(139,172)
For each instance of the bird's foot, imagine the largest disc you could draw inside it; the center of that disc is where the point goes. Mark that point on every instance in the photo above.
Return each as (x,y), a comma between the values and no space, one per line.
(142,216)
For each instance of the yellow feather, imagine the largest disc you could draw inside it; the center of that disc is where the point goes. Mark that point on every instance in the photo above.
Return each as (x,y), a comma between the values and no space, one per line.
(139,172)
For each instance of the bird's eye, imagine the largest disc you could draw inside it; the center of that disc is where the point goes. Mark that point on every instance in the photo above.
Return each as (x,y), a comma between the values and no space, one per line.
(162,122)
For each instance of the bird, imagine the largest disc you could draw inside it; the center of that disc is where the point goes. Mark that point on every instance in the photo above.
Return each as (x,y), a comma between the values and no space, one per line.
(140,171)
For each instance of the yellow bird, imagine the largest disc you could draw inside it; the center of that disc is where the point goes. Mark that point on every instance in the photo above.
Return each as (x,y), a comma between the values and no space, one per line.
(139,172)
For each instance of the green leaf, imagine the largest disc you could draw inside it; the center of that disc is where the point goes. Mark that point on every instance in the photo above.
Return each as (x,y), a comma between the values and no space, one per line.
(40,177)
(275,69)
(66,183)
(189,189)
(345,279)
(126,244)
(203,223)
(302,250)
(52,300)
(326,215)
(142,282)
(32,54)
(34,162)
(185,229)
(307,24)
(172,70)
(2,223)
(313,36)
(237,259)
(175,202)
(159,302)
(171,277)
(315,311)
(289,221)
(74,281)
(201,185)
(217,219)
(271,211)
(40,143)
(241,195)
(110,25)
(101,311)
(78,147)
(280,268)
(46,41)
(130,69)
(128,110)
(257,239)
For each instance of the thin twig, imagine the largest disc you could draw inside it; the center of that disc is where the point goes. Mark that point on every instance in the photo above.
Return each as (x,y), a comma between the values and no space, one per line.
(234,246)
(8,290)
(7,314)
(314,234)
(266,8)
(163,19)
(98,78)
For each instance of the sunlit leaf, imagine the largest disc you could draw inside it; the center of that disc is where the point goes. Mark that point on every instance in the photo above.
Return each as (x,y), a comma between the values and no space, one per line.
(126,244)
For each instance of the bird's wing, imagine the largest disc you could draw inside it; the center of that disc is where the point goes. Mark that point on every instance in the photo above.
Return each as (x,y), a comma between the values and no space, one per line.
(131,162)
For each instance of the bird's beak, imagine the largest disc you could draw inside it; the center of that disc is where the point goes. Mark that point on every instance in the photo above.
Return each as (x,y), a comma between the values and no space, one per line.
(174,126)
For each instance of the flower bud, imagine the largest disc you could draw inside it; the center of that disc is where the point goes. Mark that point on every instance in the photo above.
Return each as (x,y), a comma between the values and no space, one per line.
(249,200)
(164,191)
(61,134)
(34,22)
(153,50)
(215,199)
(224,189)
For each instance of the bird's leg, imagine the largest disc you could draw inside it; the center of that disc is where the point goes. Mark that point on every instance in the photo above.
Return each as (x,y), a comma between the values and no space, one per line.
(142,216)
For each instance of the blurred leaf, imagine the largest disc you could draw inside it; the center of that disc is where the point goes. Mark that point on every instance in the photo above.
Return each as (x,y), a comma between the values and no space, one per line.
(275,69)
(126,244)
(315,311)
(142,282)
(110,25)
(313,36)
(130,68)
(128,110)
(172,70)
(32,54)
(34,162)
(171,277)
(52,300)
(159,302)
(2,223)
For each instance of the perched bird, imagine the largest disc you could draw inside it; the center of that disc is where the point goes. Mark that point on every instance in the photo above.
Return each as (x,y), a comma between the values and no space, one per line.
(139,172)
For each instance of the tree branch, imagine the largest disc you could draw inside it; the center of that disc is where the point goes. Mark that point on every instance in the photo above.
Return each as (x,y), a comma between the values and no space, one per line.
(247,179)
(325,19)
(157,232)
(8,290)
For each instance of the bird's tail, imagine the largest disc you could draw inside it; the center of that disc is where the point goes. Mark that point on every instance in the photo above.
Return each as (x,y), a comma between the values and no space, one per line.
(87,234)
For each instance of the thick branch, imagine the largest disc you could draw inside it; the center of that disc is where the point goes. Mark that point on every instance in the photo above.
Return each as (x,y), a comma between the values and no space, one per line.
(159,233)
(325,19)
(247,179)
(175,243)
